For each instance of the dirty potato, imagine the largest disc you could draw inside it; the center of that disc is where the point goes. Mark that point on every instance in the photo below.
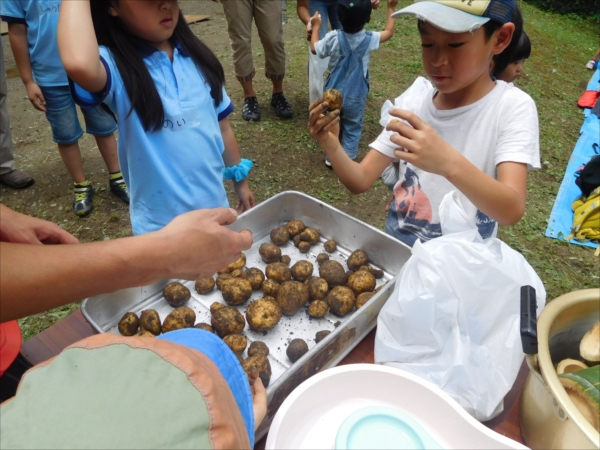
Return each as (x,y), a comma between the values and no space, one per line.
(304,247)
(258,348)
(144,333)
(321,335)
(270,288)
(322,257)
(333,97)
(236,342)
(239,264)
(363,298)
(292,295)
(330,246)
(280,235)
(318,308)
(356,259)
(310,235)
(150,321)
(221,278)
(317,288)
(297,241)
(296,349)
(302,270)
(204,285)
(295,227)
(182,317)
(286,259)
(176,294)
(226,320)
(204,326)
(332,272)
(259,363)
(236,291)
(129,323)
(341,300)
(255,276)
(237,273)
(269,253)
(361,281)
(279,272)
(263,314)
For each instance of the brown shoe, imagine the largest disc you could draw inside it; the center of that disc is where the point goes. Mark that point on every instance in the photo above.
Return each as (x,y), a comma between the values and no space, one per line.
(16,179)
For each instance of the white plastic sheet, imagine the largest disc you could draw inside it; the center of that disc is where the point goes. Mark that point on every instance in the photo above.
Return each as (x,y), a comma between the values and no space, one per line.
(316,75)
(453,318)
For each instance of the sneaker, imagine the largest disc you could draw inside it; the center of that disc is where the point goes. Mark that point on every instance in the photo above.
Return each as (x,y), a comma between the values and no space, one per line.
(283,109)
(119,188)
(84,196)
(250,110)
(16,179)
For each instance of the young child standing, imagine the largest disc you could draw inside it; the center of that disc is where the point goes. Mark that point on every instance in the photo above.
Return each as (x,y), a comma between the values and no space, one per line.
(349,51)
(167,90)
(514,68)
(464,132)
(32,26)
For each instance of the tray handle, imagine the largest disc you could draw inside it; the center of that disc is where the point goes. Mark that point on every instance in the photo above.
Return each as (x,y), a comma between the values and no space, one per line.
(528,320)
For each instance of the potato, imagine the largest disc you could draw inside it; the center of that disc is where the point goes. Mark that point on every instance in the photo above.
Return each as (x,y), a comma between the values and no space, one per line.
(292,296)
(279,272)
(258,348)
(363,298)
(286,259)
(321,335)
(333,97)
(129,323)
(302,270)
(310,235)
(176,294)
(144,333)
(182,317)
(295,227)
(296,349)
(259,363)
(255,276)
(317,288)
(304,247)
(332,272)
(296,241)
(263,314)
(318,308)
(239,264)
(379,288)
(236,342)
(269,253)
(270,288)
(150,321)
(322,257)
(237,273)
(204,285)
(341,300)
(221,278)
(356,259)
(280,235)
(204,326)
(377,273)
(347,276)
(330,246)
(361,281)
(223,271)
(226,320)
(236,291)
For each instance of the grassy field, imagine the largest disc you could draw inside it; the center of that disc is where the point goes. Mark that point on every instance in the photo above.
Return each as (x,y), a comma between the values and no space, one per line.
(287,158)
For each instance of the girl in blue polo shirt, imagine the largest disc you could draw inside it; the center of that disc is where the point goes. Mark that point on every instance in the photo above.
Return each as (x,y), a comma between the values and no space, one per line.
(166,88)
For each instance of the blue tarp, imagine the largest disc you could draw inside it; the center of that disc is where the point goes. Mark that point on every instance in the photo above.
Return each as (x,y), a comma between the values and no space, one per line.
(588,145)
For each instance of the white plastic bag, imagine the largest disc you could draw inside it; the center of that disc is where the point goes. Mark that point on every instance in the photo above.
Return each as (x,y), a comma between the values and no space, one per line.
(453,318)
(316,75)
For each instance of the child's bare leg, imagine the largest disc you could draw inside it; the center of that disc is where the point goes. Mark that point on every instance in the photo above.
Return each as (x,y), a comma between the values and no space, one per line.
(108,149)
(71,156)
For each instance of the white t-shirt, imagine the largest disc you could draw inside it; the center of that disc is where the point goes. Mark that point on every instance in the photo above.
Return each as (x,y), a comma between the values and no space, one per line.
(500,127)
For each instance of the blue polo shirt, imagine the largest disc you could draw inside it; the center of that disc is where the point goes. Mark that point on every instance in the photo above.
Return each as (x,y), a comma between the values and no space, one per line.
(178,168)
(41,19)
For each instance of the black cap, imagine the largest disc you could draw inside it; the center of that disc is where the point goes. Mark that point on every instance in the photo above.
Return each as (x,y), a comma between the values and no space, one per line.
(354,13)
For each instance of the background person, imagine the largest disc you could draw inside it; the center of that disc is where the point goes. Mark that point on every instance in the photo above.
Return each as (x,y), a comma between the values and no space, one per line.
(517,60)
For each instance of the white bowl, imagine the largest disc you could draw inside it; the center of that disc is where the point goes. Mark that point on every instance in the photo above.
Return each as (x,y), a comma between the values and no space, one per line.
(312,414)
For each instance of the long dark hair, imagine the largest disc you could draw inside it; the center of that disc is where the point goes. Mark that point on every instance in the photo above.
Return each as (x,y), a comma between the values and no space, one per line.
(128,52)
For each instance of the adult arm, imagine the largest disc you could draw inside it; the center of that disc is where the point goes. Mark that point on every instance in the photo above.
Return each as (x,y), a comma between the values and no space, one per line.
(302,8)
(17,35)
(388,32)
(23,229)
(36,278)
(78,46)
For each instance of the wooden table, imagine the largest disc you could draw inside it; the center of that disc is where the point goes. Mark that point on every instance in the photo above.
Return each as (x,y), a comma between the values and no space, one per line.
(73,328)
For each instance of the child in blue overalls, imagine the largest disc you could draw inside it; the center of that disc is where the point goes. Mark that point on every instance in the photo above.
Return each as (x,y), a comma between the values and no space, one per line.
(349,51)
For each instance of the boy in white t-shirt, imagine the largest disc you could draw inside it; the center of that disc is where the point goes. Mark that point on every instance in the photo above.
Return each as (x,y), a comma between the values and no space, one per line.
(464,131)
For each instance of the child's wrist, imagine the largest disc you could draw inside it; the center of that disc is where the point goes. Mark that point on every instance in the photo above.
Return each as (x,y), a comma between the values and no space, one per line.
(238,172)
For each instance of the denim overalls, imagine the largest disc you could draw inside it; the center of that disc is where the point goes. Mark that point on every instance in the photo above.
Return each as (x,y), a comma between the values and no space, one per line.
(348,78)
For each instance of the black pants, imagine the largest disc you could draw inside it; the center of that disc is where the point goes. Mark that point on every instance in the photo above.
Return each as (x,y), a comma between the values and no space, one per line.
(11,378)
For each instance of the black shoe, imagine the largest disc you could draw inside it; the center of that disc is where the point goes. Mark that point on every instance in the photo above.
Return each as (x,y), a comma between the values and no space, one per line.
(283,109)
(119,188)
(250,110)
(84,199)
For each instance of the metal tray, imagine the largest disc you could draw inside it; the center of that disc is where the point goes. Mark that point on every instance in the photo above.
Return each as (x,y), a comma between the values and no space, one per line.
(104,311)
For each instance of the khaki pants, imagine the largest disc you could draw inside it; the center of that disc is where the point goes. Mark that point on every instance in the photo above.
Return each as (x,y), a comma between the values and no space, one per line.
(7,163)
(267,16)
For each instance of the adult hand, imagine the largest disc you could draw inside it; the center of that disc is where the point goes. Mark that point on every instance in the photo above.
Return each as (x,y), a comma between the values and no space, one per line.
(325,128)
(197,244)
(245,196)
(35,96)
(421,145)
(259,398)
(21,229)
